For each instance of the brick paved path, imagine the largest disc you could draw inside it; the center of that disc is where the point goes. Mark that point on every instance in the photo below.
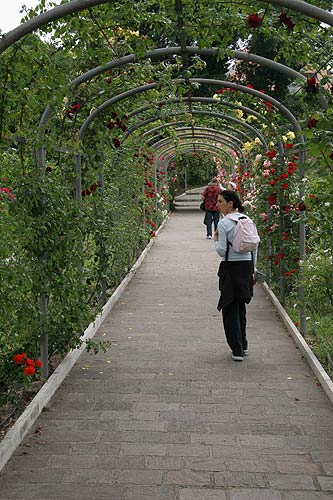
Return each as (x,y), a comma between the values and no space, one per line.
(166,414)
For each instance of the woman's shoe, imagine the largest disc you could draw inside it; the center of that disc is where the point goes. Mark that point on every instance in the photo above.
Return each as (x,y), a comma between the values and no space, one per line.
(237,358)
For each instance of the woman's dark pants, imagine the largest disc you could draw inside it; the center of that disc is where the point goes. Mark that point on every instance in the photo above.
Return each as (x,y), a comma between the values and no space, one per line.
(234,322)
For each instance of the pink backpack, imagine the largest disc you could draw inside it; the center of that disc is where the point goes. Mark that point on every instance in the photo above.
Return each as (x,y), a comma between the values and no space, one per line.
(246,237)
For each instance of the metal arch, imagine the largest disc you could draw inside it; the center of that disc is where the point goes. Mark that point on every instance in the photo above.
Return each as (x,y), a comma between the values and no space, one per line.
(183,123)
(208,146)
(199,133)
(305,8)
(78,5)
(165,125)
(283,109)
(207,113)
(109,102)
(185,136)
(198,147)
(202,149)
(163,142)
(208,100)
(204,100)
(176,50)
(207,129)
(234,120)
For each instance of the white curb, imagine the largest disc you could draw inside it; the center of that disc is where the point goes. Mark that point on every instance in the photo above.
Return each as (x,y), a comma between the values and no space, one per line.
(322,376)
(15,435)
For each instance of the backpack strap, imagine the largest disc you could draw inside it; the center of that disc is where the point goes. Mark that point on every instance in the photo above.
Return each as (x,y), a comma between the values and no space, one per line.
(227,251)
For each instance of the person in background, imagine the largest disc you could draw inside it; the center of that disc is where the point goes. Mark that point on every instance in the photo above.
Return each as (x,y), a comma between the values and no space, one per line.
(230,185)
(212,215)
(235,276)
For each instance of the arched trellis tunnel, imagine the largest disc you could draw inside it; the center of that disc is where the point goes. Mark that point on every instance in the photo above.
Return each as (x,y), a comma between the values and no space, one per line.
(78,140)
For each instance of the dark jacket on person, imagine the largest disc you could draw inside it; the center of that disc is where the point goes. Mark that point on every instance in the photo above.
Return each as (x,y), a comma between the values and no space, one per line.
(235,282)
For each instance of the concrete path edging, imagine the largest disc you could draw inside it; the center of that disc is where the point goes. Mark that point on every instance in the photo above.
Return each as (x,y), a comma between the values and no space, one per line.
(15,435)
(323,377)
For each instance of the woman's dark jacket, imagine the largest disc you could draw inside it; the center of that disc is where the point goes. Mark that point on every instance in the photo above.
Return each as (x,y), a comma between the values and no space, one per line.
(235,282)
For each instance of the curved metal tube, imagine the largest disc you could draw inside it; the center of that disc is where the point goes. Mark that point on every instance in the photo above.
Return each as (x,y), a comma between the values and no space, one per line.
(207,113)
(208,147)
(78,5)
(163,142)
(165,125)
(187,135)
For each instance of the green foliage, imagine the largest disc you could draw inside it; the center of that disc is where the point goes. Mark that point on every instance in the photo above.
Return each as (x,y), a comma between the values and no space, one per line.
(196,168)
(318,279)
(76,251)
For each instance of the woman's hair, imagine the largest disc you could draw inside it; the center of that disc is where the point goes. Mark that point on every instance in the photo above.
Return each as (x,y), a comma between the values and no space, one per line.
(230,195)
(214,181)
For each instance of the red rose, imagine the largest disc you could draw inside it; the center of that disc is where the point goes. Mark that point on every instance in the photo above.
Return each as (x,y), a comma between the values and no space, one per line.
(283,17)
(286,21)
(311,82)
(289,146)
(29,362)
(29,370)
(254,20)
(93,187)
(116,142)
(19,358)
(311,86)
(271,199)
(38,363)
(271,154)
(290,25)
(311,123)
(302,206)
(114,114)
(110,125)
(285,185)
(331,155)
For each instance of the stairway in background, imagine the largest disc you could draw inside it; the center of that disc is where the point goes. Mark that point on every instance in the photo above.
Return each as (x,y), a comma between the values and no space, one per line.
(190,200)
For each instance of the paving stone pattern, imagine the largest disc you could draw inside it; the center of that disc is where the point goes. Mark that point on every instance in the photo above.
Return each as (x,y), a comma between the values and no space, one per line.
(166,414)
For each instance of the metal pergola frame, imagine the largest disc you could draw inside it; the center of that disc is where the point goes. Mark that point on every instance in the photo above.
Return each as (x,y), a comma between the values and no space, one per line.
(75,6)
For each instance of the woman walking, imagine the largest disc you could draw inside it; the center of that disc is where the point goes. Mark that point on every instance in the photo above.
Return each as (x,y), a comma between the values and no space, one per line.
(235,275)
